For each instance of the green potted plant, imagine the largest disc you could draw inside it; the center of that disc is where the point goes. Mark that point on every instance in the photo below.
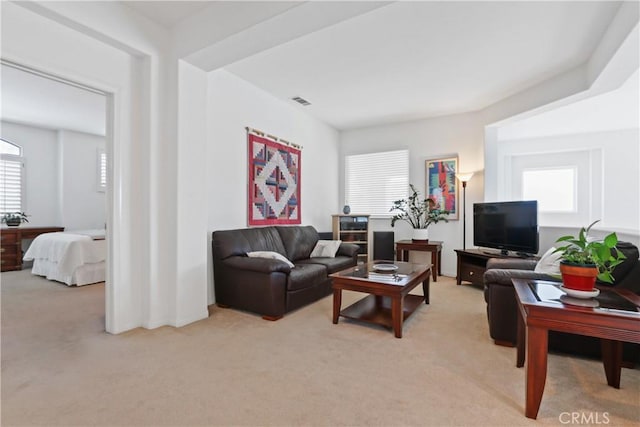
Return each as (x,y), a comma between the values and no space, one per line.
(13,219)
(584,259)
(419,213)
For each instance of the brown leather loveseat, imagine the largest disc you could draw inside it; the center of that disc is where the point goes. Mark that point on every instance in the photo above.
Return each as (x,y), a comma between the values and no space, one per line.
(270,287)
(502,308)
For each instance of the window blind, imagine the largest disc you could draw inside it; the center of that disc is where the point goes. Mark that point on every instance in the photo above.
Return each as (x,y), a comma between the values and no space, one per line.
(102,170)
(374,181)
(11,181)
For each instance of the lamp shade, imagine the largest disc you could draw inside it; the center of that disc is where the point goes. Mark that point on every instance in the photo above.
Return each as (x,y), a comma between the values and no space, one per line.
(464,176)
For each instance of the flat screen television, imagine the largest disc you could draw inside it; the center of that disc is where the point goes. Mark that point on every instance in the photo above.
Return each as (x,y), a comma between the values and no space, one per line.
(508,226)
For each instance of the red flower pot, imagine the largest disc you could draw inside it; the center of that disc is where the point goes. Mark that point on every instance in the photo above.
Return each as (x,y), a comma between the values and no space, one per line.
(578,277)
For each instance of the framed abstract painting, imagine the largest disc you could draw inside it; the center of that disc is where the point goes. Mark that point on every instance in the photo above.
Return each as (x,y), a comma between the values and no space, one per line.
(441,184)
(274,182)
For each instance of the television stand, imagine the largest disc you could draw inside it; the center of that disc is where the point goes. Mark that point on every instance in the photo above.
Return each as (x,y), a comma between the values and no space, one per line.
(503,252)
(472,263)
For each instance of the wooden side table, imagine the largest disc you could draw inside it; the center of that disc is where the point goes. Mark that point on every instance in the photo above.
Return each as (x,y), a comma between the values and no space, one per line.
(404,246)
(541,308)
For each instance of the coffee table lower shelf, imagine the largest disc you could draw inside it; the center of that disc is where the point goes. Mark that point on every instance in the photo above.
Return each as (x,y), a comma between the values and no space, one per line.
(377,309)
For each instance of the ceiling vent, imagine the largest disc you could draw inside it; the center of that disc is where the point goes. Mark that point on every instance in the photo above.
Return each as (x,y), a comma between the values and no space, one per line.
(301,101)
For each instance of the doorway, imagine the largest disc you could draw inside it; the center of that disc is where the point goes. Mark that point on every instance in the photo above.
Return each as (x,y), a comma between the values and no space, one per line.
(74,191)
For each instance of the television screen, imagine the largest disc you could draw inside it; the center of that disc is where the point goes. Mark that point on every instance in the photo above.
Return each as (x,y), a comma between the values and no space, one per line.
(508,226)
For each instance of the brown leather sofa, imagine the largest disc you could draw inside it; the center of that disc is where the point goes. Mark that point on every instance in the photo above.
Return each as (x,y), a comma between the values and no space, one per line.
(271,287)
(502,307)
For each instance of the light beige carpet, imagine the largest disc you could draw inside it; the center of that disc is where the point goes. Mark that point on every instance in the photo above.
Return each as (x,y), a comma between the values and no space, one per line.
(59,367)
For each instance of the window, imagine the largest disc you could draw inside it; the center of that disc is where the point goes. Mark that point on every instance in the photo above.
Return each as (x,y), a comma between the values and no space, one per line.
(11,177)
(374,181)
(102,170)
(7,147)
(566,184)
(554,189)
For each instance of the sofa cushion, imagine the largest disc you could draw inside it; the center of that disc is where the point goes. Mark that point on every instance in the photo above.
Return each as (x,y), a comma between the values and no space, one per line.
(631,252)
(228,243)
(270,255)
(325,249)
(332,264)
(549,263)
(298,241)
(306,275)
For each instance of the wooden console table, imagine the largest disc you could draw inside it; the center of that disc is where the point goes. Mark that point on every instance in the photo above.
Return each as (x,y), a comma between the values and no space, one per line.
(11,244)
(404,246)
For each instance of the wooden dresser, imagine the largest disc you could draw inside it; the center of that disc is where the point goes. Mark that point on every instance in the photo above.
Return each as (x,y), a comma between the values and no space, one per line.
(11,244)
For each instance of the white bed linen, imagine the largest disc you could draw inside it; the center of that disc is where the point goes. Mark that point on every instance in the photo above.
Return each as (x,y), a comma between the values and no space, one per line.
(74,259)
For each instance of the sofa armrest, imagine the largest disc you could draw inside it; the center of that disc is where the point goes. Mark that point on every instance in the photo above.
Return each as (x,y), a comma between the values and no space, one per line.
(260,265)
(348,249)
(500,276)
(512,263)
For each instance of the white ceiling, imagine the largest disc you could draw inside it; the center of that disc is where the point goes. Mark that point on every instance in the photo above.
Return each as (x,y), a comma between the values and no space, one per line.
(32,99)
(617,109)
(167,13)
(410,60)
(397,62)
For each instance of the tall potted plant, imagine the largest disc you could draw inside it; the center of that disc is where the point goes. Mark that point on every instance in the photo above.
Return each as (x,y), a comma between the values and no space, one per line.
(584,259)
(419,213)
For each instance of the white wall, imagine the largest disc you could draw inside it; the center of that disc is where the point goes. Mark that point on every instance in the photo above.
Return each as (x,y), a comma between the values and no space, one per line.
(611,188)
(40,152)
(83,207)
(427,139)
(463,134)
(60,176)
(549,235)
(234,104)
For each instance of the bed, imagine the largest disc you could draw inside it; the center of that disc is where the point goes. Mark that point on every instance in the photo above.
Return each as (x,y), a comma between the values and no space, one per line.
(75,257)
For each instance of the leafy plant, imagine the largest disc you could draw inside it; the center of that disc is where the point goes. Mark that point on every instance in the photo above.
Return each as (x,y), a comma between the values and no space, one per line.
(582,250)
(14,217)
(420,213)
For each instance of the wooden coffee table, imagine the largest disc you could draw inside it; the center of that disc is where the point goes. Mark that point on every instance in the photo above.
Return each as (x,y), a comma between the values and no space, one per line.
(389,302)
(541,308)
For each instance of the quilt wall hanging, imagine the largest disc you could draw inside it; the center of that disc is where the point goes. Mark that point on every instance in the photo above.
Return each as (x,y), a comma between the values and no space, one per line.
(274,180)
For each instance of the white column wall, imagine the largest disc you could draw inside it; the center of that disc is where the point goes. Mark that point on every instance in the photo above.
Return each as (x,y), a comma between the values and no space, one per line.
(191,240)
(155,138)
(40,43)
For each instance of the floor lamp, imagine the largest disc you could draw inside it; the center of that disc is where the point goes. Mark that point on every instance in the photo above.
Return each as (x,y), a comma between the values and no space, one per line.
(464,178)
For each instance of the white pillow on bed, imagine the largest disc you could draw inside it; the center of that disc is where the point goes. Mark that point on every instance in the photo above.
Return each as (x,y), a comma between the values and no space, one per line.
(325,249)
(549,263)
(270,255)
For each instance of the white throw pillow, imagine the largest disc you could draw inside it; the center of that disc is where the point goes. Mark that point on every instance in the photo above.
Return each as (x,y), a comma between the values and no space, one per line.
(325,249)
(549,263)
(270,255)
